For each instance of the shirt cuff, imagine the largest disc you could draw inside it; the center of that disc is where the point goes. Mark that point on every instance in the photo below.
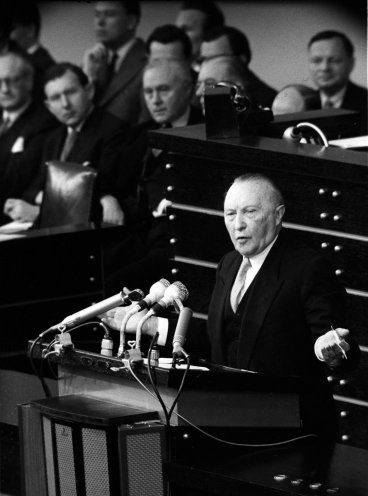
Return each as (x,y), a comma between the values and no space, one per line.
(162,329)
(316,350)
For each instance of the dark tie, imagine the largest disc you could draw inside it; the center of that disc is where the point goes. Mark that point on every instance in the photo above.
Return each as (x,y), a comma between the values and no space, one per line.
(328,104)
(238,289)
(68,144)
(110,71)
(4,125)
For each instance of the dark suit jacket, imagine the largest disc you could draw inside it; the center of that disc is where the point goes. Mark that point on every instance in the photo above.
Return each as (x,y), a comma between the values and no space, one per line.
(123,97)
(21,150)
(41,60)
(356,98)
(294,298)
(260,92)
(98,145)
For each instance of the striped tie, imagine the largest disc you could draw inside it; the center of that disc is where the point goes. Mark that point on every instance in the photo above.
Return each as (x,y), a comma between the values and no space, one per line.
(238,289)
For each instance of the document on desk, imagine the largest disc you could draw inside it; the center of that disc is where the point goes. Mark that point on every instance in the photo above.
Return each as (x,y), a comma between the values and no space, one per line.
(166,363)
(15,227)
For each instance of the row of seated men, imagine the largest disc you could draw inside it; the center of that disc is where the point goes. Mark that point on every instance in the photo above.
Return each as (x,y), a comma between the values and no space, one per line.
(99,114)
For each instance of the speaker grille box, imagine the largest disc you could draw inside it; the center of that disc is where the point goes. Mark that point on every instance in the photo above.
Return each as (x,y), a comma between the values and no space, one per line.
(78,446)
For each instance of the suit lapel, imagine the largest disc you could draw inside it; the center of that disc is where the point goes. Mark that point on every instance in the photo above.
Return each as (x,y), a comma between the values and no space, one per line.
(263,291)
(130,67)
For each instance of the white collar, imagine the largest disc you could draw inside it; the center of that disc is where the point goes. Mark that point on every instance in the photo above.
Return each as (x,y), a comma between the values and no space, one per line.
(12,115)
(257,260)
(335,99)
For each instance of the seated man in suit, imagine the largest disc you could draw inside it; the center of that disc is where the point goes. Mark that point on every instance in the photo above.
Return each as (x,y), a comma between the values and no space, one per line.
(274,304)
(168,89)
(24,127)
(331,61)
(115,63)
(228,41)
(89,135)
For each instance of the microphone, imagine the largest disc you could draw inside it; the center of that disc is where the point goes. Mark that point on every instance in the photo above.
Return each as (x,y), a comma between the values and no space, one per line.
(120,299)
(181,332)
(157,291)
(175,293)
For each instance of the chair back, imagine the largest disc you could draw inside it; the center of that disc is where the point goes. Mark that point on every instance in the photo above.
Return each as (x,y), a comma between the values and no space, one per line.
(68,194)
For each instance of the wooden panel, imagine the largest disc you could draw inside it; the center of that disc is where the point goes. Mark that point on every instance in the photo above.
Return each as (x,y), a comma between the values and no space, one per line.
(209,241)
(310,200)
(199,281)
(353,384)
(353,424)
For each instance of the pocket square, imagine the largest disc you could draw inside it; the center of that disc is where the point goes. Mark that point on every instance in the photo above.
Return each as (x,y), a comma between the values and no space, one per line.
(18,146)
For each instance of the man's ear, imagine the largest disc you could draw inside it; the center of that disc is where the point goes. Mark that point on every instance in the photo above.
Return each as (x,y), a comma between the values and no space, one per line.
(280,211)
(90,88)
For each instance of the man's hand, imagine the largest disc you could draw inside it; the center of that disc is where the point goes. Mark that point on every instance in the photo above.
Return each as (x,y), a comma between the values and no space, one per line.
(95,63)
(113,318)
(111,210)
(331,346)
(20,210)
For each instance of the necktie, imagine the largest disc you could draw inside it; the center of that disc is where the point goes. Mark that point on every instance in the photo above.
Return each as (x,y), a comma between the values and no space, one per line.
(68,144)
(328,104)
(5,125)
(238,288)
(110,71)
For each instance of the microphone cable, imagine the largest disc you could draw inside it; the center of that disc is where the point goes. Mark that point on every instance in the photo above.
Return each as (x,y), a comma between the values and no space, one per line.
(224,441)
(153,384)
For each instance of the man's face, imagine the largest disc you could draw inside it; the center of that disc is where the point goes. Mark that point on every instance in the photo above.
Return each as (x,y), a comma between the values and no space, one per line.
(113,26)
(211,72)
(68,100)
(252,217)
(192,22)
(329,64)
(16,82)
(167,97)
(215,48)
(172,50)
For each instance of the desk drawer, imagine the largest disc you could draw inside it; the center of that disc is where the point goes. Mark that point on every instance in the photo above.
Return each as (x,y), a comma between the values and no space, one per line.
(353,422)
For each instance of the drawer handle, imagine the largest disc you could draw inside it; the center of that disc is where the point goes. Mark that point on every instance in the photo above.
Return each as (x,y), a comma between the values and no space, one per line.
(337,217)
(322,191)
(343,382)
(325,245)
(345,437)
(169,166)
(170,188)
(339,272)
(336,194)
(172,217)
(338,247)
(175,270)
(173,241)
(323,215)
(330,378)
(344,413)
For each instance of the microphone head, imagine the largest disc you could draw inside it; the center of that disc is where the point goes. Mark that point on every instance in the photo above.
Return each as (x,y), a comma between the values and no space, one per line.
(135,295)
(182,291)
(157,290)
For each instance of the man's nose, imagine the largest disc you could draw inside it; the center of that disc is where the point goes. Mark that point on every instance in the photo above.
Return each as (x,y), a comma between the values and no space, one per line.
(239,222)
(64,100)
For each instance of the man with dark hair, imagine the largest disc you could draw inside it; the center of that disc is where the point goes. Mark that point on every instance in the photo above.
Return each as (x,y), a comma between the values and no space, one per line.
(274,304)
(24,125)
(196,18)
(169,41)
(115,63)
(230,41)
(26,27)
(89,135)
(331,61)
